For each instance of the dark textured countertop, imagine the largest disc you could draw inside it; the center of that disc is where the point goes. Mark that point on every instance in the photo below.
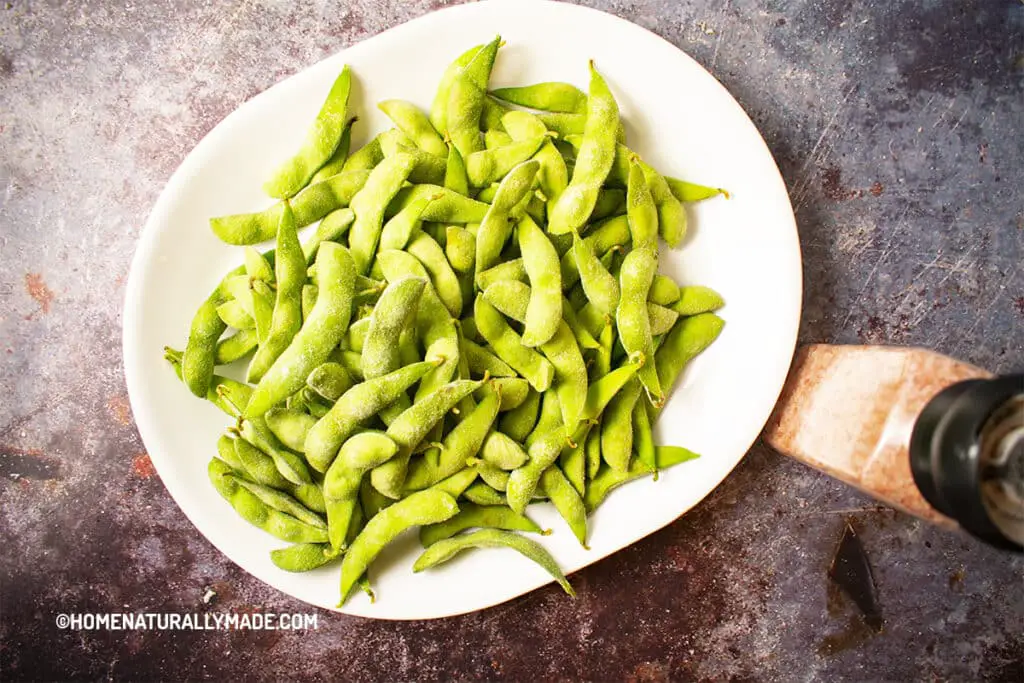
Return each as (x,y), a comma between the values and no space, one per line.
(899,128)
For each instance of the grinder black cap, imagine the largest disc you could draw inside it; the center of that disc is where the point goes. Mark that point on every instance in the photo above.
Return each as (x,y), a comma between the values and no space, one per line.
(967,457)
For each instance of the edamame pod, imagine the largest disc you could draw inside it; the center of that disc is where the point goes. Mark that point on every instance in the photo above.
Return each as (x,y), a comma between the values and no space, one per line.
(359,403)
(418,509)
(321,142)
(319,334)
(444,550)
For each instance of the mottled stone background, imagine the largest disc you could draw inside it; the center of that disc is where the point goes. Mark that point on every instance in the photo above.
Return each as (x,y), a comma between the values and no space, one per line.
(898,127)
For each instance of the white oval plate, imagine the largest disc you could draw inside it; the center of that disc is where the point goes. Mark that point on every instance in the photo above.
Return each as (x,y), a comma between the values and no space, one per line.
(679,118)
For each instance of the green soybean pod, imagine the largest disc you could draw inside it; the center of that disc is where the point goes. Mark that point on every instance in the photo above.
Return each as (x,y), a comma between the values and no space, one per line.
(610,202)
(291,466)
(594,161)
(456,484)
(640,209)
(496,227)
(509,347)
(632,319)
(512,390)
(359,403)
(286,318)
(234,315)
(671,214)
(481,361)
(400,228)
(465,105)
(493,476)
(409,429)
(289,426)
(617,427)
(337,161)
(321,142)
(329,380)
(226,452)
(583,336)
(426,168)
(319,334)
(696,299)
(365,158)
(544,312)
(491,165)
(313,203)
(303,557)
(509,270)
(460,444)
(549,418)
(460,248)
(502,451)
(371,500)
(519,422)
(434,324)
(418,509)
(664,291)
(331,229)
(475,63)
(370,203)
(600,286)
(446,283)
(256,266)
(239,292)
(282,501)
(549,96)
(481,493)
(445,549)
(263,308)
(258,513)
(610,233)
(355,337)
(690,337)
(567,501)
(691,192)
(608,479)
(258,465)
(394,312)
(415,124)
(662,319)
(472,516)
(496,138)
(199,357)
(592,453)
(455,177)
(238,345)
(359,455)
(643,438)
(448,206)
(573,463)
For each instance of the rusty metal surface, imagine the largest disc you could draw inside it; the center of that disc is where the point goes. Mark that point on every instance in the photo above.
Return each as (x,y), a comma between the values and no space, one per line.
(898,128)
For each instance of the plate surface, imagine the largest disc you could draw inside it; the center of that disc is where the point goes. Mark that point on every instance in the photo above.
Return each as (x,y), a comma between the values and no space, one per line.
(678,117)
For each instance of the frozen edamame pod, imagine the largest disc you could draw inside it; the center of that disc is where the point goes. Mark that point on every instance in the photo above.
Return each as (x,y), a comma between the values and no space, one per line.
(418,509)
(321,142)
(470,516)
(445,549)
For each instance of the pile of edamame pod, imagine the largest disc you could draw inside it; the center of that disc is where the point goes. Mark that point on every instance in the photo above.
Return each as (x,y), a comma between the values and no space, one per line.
(475,323)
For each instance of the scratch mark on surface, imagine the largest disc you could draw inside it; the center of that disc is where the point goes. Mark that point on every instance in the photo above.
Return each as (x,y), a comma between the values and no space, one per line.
(718,41)
(944,112)
(805,181)
(956,125)
(886,250)
(968,338)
